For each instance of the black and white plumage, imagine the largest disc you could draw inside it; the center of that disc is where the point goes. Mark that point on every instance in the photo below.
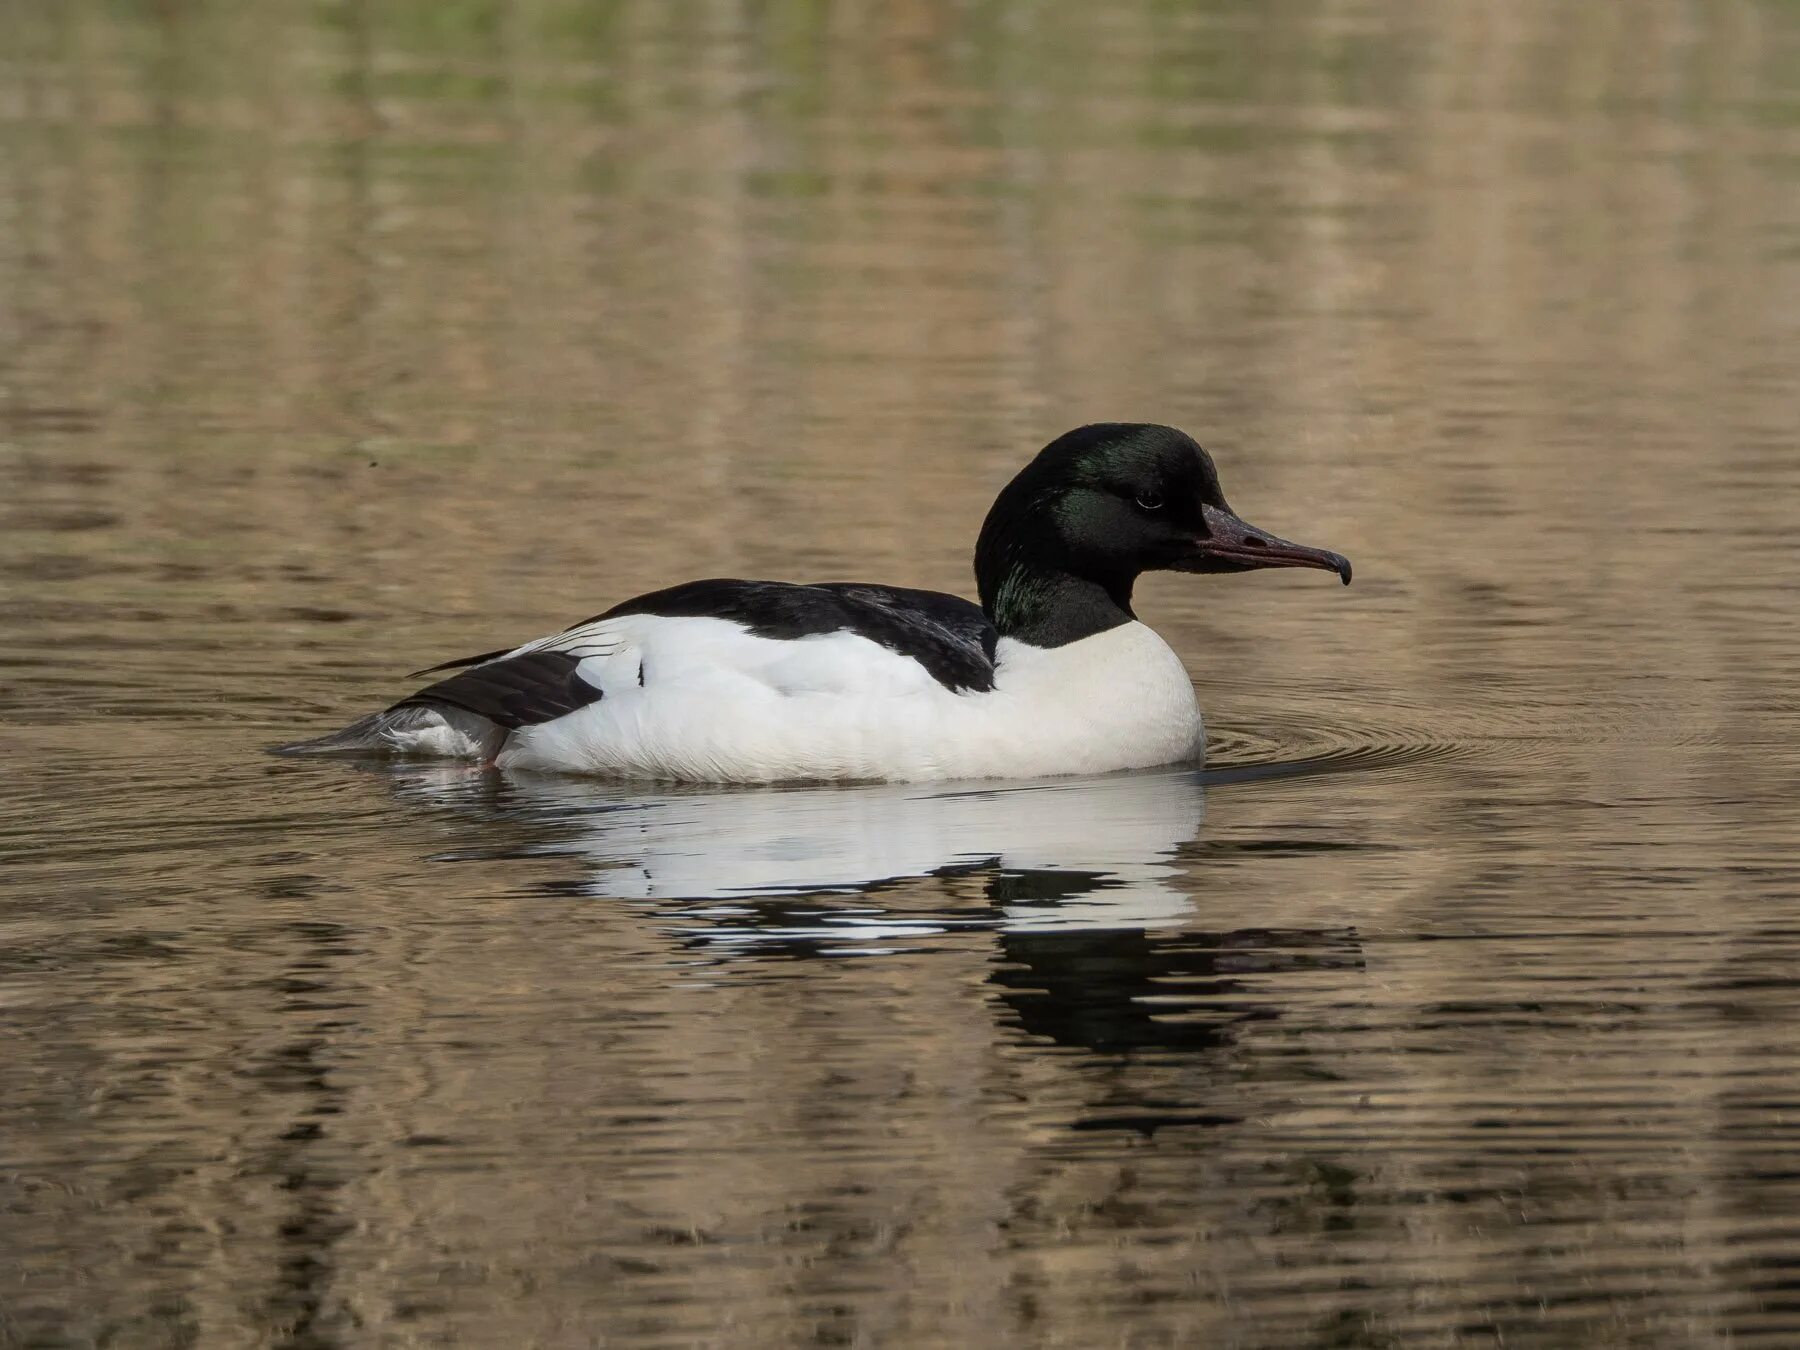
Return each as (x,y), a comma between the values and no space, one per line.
(761,681)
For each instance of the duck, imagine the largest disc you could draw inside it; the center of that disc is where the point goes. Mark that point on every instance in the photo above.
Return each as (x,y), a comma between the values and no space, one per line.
(729,681)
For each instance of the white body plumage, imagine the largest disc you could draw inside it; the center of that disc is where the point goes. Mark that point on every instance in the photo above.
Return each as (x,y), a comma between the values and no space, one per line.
(704,699)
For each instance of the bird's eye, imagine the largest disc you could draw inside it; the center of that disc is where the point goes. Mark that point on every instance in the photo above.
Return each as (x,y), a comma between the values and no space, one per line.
(1150,501)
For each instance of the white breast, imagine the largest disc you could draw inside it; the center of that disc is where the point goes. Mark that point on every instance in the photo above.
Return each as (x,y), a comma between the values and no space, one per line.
(1117,700)
(705,700)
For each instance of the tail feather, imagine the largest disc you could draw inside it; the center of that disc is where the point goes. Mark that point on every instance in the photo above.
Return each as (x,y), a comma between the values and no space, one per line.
(412,730)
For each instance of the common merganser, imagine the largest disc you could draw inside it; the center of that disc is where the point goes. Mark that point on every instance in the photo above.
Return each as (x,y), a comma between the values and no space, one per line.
(728,681)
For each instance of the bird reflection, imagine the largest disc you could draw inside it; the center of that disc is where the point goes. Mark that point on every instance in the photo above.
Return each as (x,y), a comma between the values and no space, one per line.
(1119,991)
(1095,852)
(1088,885)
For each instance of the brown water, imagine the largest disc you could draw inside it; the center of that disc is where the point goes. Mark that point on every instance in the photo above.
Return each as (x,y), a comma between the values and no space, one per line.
(336,339)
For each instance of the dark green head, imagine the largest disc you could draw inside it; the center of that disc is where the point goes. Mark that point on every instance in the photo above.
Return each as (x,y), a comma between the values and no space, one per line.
(1068,537)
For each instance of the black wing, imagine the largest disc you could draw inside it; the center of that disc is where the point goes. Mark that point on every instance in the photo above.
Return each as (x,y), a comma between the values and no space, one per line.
(519,691)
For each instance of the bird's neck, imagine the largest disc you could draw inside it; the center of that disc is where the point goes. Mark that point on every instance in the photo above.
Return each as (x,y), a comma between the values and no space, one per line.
(1045,606)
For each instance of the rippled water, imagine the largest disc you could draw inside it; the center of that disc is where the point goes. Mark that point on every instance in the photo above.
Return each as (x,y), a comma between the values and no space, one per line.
(1455,1003)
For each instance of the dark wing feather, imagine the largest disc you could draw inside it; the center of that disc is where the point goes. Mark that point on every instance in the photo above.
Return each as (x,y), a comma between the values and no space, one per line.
(517,691)
(946,634)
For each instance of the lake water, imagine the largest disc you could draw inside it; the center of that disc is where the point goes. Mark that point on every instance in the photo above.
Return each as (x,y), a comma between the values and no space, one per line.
(1456,1004)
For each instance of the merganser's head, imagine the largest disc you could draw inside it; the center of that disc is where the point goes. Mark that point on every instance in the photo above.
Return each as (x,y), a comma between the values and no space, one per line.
(1105,503)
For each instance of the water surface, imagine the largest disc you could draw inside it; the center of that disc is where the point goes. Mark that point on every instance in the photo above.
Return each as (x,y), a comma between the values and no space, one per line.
(1454,1004)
